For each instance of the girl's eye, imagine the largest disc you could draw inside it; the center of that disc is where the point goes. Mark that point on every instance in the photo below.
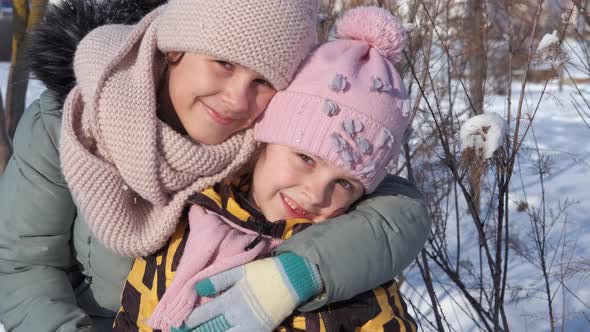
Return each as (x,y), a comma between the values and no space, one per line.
(264,83)
(306,159)
(345,184)
(225,64)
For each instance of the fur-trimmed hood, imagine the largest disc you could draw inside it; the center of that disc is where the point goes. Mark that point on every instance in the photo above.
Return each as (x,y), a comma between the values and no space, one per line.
(54,41)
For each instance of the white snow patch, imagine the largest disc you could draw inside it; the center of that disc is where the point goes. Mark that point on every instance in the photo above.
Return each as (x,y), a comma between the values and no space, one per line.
(483,132)
(548,40)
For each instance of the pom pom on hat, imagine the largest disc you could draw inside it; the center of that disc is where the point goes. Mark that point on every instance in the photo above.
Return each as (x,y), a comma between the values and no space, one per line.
(378,27)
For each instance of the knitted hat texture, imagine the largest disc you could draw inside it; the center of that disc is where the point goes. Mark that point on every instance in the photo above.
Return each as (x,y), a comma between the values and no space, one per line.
(348,104)
(271,37)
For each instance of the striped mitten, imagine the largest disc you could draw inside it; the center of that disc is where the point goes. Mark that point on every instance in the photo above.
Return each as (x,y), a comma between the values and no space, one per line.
(256,296)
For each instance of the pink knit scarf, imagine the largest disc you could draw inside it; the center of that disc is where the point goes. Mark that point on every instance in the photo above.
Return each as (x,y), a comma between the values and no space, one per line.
(128,172)
(215,245)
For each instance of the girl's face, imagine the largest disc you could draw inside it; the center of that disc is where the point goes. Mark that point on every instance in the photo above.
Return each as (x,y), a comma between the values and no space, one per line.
(288,183)
(211,99)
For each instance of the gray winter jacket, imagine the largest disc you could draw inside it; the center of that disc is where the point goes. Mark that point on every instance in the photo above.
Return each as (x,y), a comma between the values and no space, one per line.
(55,276)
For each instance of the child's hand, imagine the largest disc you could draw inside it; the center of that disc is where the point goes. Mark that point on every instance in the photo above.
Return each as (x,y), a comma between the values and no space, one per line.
(257,296)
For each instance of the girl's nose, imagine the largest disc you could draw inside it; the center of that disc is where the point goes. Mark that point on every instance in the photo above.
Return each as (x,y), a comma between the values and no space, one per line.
(237,95)
(319,191)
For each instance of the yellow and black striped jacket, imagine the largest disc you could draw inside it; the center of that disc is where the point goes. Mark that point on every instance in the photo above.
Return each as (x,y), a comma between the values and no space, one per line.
(381,309)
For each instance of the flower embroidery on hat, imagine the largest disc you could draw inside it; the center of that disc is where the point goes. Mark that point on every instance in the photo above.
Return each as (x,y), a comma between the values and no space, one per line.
(352,127)
(356,157)
(368,170)
(378,85)
(364,145)
(344,150)
(338,142)
(338,83)
(385,139)
(347,157)
(330,108)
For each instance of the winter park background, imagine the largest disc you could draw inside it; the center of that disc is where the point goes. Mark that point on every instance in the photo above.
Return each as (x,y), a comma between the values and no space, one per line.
(515,256)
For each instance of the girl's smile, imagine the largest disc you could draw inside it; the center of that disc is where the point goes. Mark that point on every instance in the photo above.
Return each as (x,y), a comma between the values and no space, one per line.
(293,210)
(288,183)
(218,117)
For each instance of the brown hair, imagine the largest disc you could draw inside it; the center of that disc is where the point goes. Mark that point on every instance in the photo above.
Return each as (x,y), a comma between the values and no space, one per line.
(248,168)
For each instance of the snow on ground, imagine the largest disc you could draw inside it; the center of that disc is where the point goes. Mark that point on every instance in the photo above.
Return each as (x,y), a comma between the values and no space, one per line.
(563,141)
(562,135)
(33,92)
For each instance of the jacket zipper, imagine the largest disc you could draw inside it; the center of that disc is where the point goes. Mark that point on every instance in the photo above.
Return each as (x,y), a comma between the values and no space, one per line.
(254,243)
(263,228)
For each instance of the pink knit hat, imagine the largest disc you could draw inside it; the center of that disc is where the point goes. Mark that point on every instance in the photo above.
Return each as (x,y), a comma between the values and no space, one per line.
(271,37)
(348,104)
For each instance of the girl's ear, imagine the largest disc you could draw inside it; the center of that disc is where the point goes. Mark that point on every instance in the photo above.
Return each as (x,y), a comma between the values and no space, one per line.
(170,58)
(174,57)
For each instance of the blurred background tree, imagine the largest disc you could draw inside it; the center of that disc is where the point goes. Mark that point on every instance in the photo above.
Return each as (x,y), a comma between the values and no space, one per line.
(25,15)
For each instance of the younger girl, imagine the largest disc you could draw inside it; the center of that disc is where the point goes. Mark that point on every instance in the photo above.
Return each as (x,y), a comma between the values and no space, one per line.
(328,138)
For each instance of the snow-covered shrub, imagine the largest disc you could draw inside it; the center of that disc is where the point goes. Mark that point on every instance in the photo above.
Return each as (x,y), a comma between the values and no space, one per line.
(483,133)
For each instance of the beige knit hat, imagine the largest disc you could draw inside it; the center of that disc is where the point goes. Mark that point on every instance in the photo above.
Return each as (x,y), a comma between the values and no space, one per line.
(275,35)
